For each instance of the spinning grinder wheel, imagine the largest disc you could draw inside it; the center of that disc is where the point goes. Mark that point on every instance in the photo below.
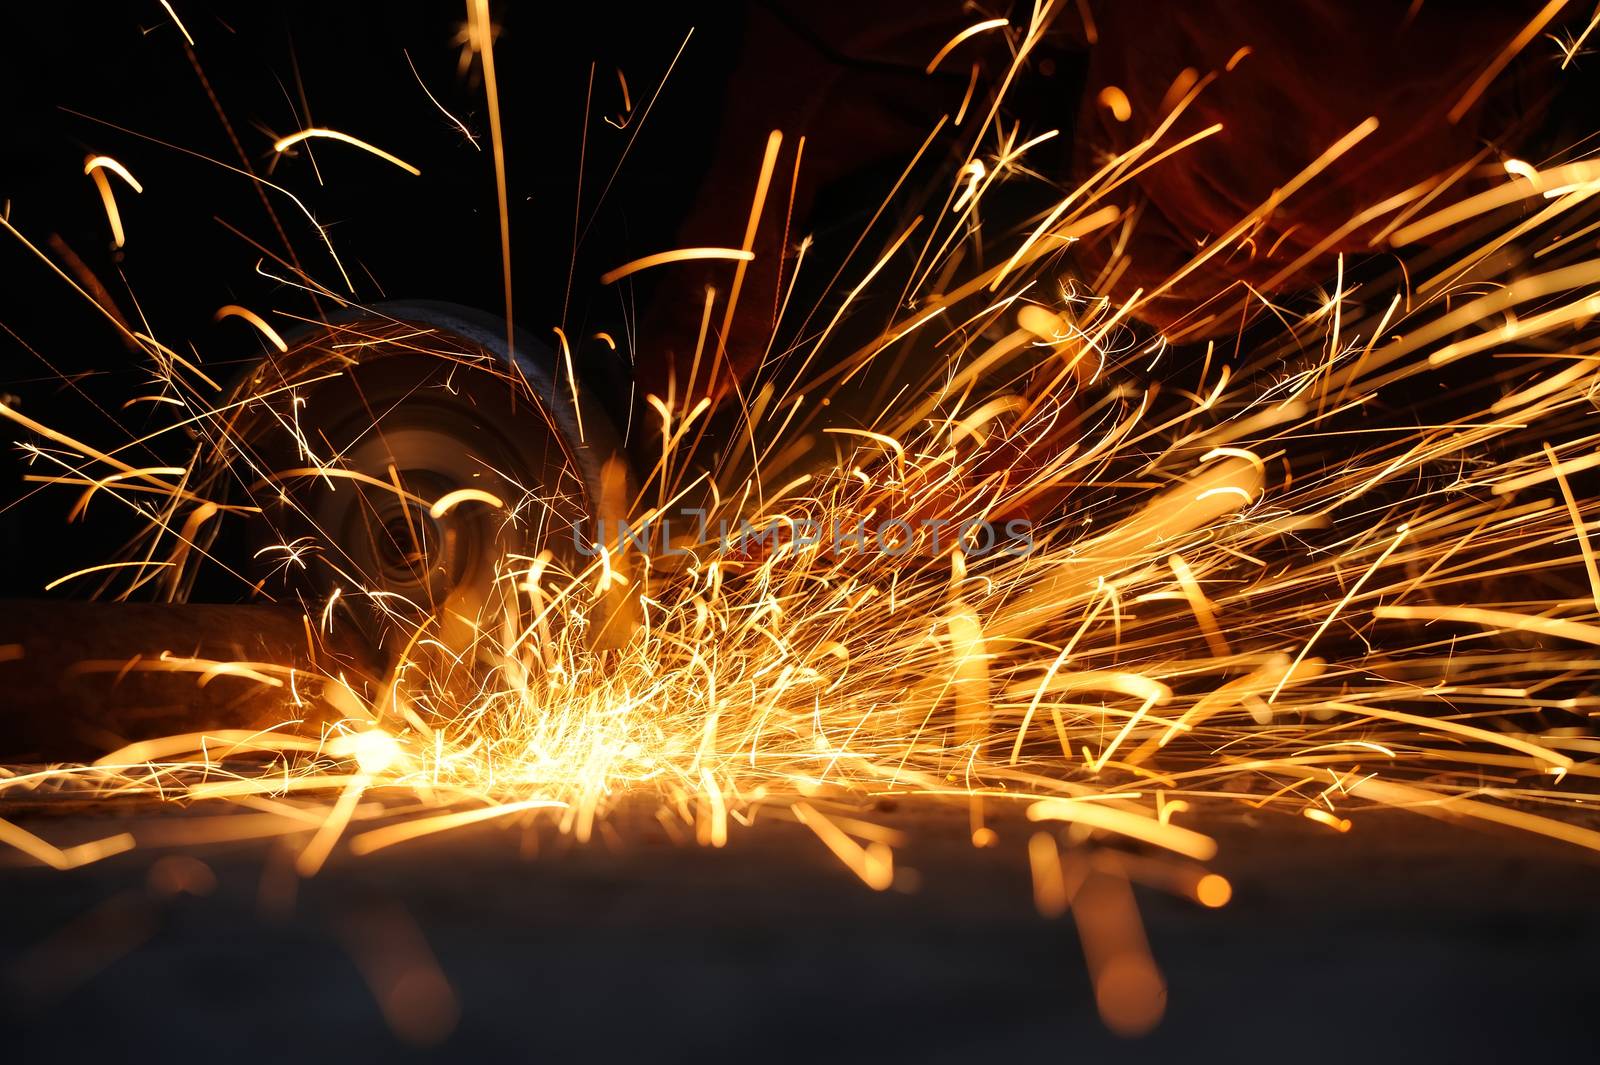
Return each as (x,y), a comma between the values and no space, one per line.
(405,460)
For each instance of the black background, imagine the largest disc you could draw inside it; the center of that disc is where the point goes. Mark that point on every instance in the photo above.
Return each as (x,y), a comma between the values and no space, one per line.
(434,237)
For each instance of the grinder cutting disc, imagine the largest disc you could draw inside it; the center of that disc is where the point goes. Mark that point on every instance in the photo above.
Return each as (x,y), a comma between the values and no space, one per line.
(404,459)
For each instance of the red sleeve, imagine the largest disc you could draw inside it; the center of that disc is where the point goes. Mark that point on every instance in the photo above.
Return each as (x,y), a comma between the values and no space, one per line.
(1313,72)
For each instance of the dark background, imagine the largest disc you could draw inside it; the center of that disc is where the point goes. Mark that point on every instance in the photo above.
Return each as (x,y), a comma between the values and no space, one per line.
(435,236)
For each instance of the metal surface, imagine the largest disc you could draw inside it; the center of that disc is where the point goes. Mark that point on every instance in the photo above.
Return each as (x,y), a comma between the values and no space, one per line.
(1405,940)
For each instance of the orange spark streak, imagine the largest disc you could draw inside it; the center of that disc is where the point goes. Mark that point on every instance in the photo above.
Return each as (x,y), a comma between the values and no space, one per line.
(1128,987)
(1183,841)
(58,857)
(479,27)
(310,860)
(1049,889)
(179,22)
(874,863)
(465,132)
(1355,588)
(661,258)
(1116,101)
(283,143)
(1393,794)
(1508,53)
(1494,619)
(84,449)
(97,162)
(233,310)
(572,378)
(1568,54)
(1553,759)
(103,566)
(1577,526)
(379,838)
(450,500)
(768,161)
(970,31)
